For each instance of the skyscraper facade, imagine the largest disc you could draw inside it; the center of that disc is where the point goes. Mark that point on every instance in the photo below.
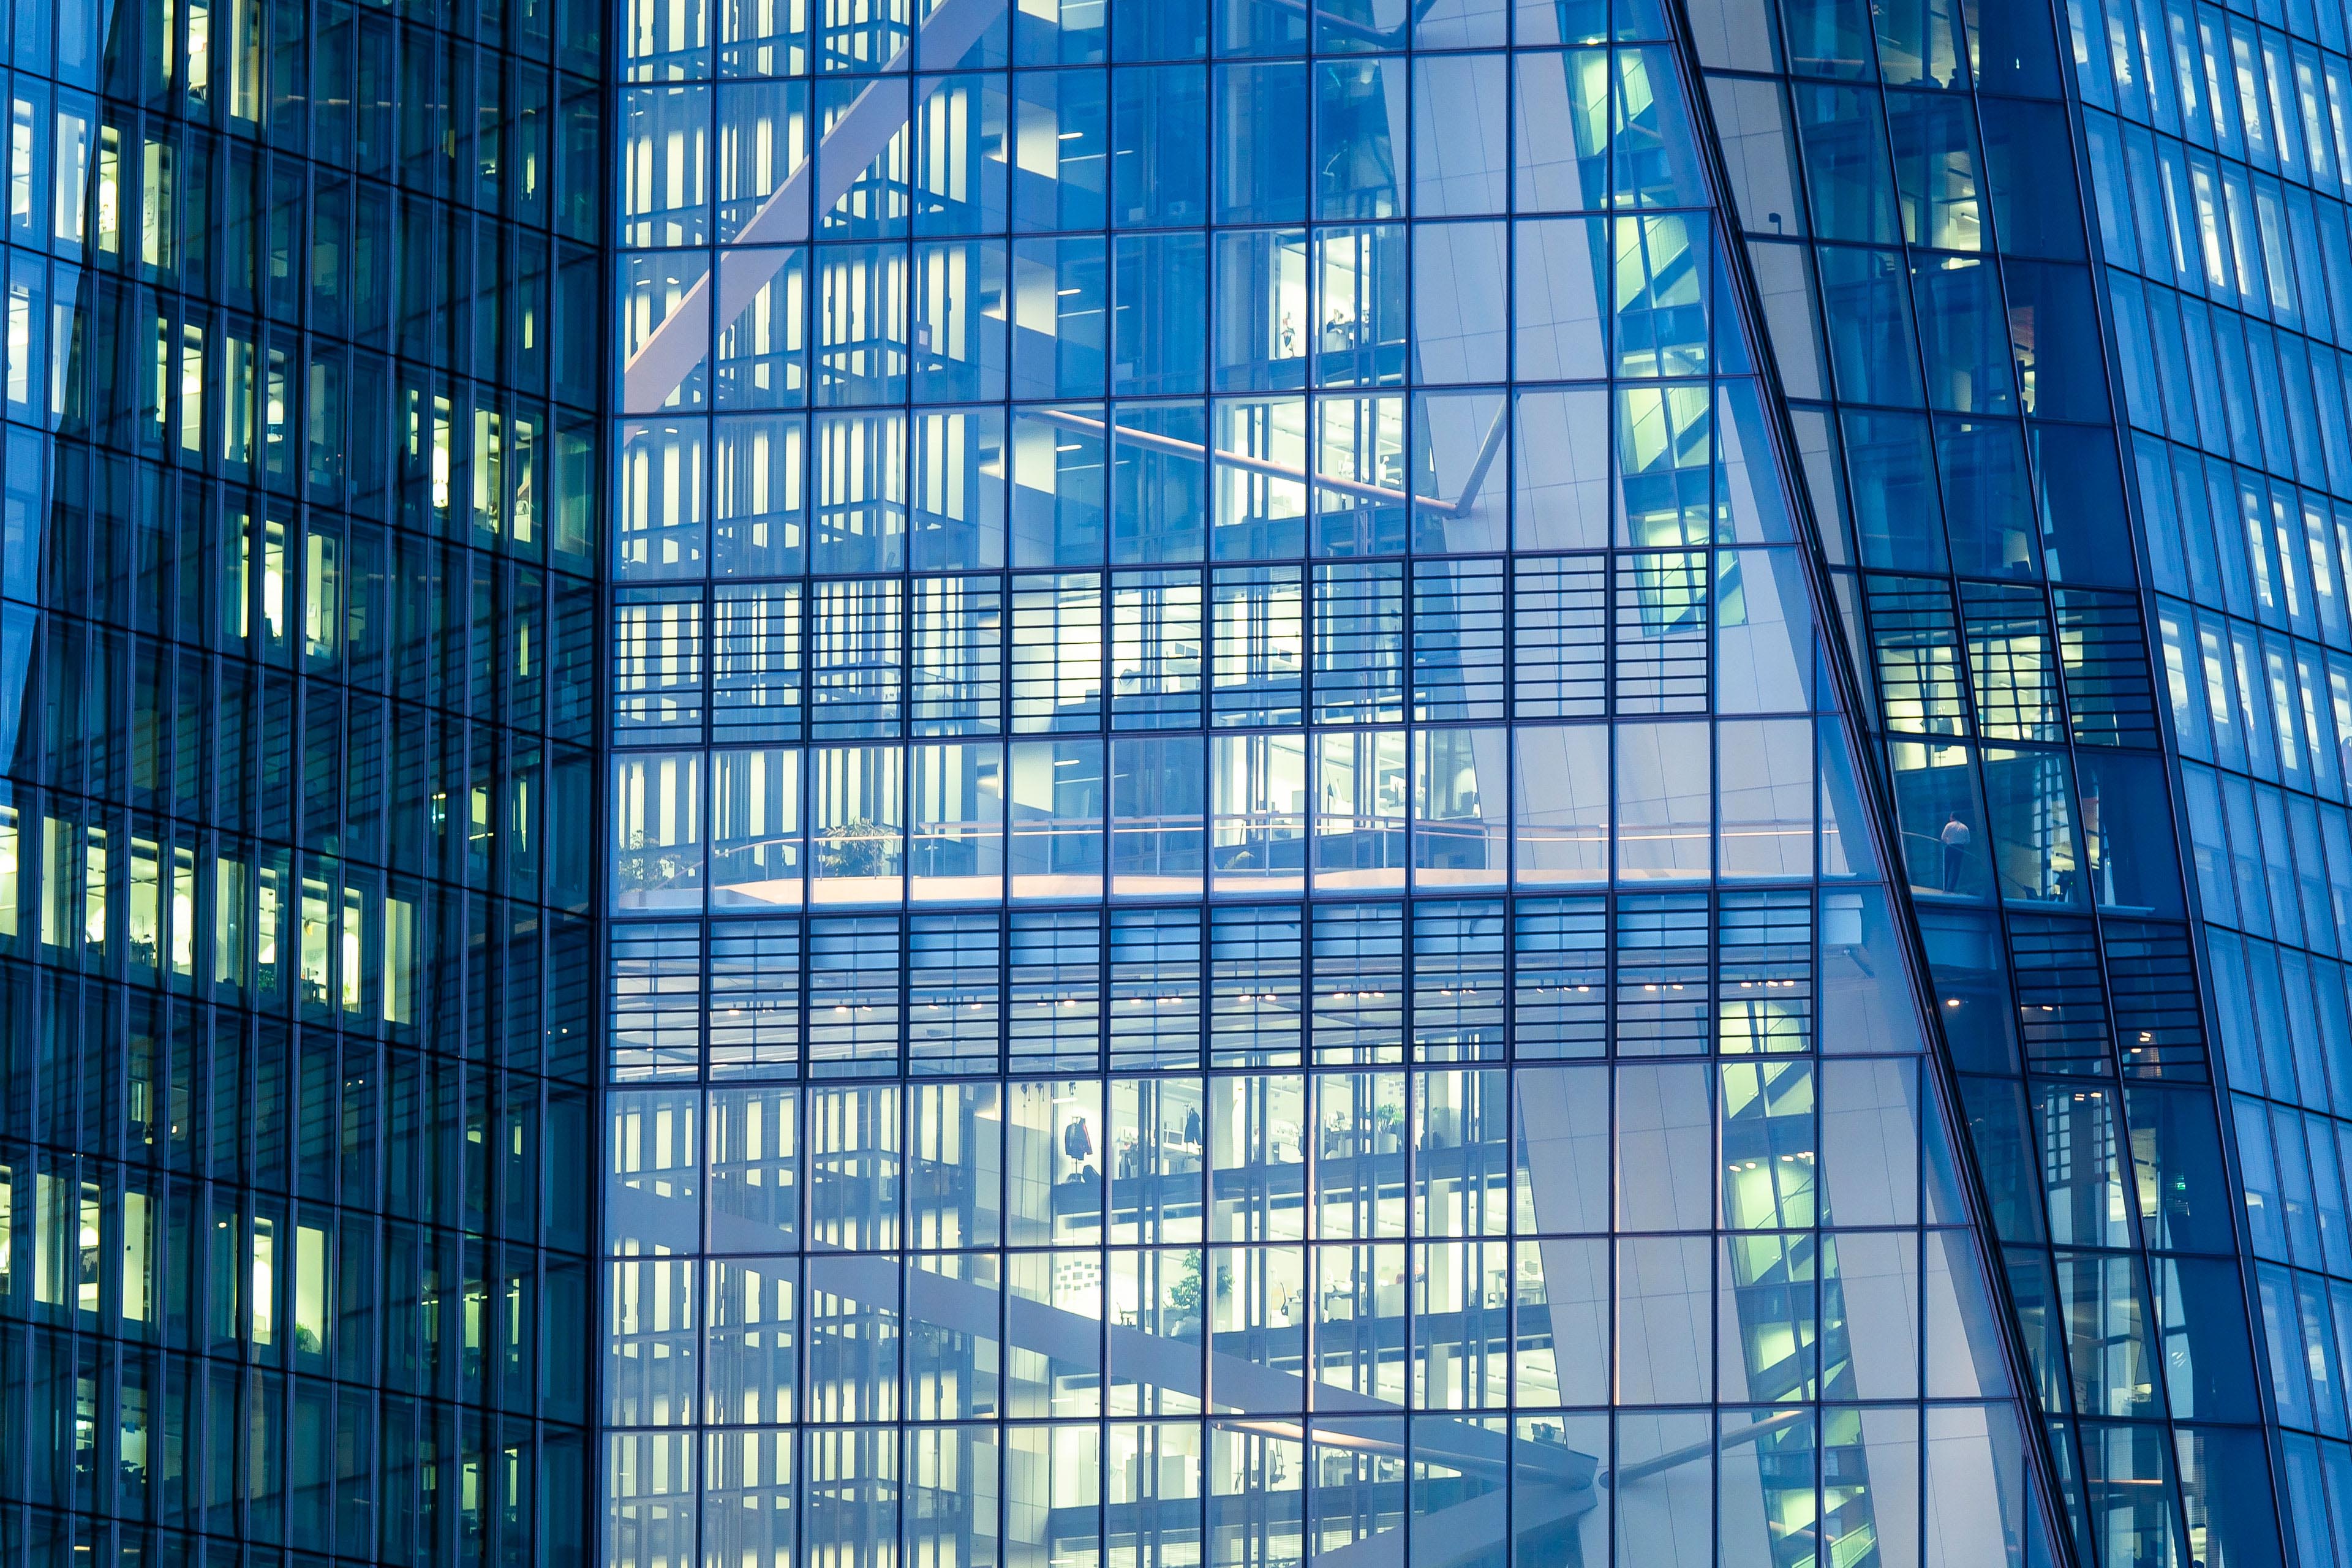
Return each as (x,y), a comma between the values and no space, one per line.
(296,960)
(1914,192)
(1152,784)
(1244,920)
(2228,310)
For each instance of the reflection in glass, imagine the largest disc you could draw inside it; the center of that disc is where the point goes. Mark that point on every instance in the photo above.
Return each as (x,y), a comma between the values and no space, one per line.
(1359,808)
(755,829)
(856,824)
(956,823)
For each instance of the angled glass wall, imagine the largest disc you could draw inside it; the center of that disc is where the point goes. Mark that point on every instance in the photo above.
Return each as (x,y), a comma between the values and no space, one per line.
(1917,240)
(297,645)
(1240,926)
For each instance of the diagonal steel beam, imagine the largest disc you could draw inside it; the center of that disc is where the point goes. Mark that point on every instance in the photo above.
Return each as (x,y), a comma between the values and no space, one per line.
(1379,495)
(856,139)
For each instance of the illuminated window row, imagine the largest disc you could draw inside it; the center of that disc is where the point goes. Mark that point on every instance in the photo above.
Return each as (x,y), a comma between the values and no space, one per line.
(1136,146)
(775,496)
(2229,83)
(1461,808)
(1331,1157)
(1689,1488)
(1251,645)
(1456,979)
(180,915)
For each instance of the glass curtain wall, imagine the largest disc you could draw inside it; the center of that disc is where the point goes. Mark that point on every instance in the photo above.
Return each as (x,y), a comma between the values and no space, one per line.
(2219,143)
(1906,178)
(296,965)
(1241,925)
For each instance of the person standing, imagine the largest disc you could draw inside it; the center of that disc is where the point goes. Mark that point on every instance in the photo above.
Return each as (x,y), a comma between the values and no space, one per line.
(1956,848)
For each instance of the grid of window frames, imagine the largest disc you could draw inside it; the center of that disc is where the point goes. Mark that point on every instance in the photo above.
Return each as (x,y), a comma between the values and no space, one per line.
(1920,257)
(298,638)
(2221,140)
(1235,927)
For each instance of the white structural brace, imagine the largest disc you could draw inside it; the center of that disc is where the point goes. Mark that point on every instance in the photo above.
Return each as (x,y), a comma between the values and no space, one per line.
(861,135)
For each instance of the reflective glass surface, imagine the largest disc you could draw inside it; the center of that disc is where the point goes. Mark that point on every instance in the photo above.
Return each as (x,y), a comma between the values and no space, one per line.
(1932,263)
(2218,145)
(1105,783)
(298,652)
(1242,924)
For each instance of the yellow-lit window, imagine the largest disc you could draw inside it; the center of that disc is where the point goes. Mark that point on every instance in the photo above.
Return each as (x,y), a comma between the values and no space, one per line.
(20,344)
(441,454)
(242,45)
(155,223)
(93,898)
(183,912)
(399,961)
(109,189)
(145,912)
(236,401)
(309,1290)
(200,48)
(57,875)
(353,914)
(72,170)
(228,920)
(163,405)
(191,388)
(87,1261)
(274,406)
(265,1280)
(318,942)
(524,458)
(490,471)
(270,902)
(322,590)
(273,580)
(7,876)
(137,1258)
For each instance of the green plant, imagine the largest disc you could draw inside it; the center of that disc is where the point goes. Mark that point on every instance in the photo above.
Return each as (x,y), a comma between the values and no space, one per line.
(1184,1291)
(851,848)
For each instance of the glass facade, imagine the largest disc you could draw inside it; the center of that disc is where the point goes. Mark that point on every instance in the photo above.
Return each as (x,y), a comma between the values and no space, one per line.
(1920,253)
(1176,784)
(2218,145)
(297,961)
(1243,922)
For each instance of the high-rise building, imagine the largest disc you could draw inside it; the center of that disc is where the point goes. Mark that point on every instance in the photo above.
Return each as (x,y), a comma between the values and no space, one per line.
(1176,784)
(297,962)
